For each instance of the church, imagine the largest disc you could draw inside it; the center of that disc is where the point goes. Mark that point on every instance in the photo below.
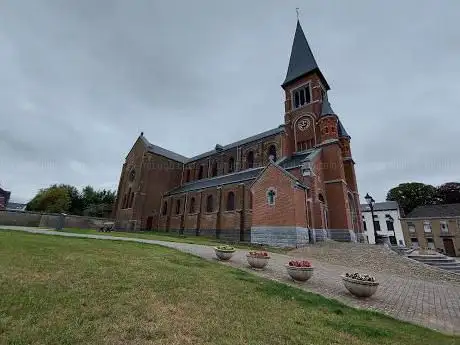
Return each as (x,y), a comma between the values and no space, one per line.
(288,186)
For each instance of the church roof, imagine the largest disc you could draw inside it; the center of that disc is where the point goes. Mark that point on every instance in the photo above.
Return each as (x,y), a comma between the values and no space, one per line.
(342,131)
(302,60)
(241,176)
(297,159)
(256,137)
(163,152)
(284,171)
(219,148)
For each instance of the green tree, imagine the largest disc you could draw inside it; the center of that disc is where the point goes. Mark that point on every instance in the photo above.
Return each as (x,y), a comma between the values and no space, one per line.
(449,193)
(54,199)
(68,199)
(413,194)
(77,203)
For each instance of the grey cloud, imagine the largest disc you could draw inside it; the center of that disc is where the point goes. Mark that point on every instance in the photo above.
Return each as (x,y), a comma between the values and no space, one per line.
(81,79)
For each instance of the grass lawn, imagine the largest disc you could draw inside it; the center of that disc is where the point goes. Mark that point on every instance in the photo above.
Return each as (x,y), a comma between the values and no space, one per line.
(56,290)
(164,236)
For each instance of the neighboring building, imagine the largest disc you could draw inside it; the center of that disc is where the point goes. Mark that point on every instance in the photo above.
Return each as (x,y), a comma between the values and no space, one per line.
(14,206)
(435,226)
(278,187)
(4,198)
(386,222)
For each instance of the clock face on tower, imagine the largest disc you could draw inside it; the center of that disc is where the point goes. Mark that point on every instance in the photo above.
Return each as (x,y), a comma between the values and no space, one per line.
(303,124)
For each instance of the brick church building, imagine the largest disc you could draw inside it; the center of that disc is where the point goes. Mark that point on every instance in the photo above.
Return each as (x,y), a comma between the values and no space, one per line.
(287,186)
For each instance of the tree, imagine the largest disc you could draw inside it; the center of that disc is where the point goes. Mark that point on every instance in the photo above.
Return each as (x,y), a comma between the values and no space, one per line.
(413,194)
(68,199)
(54,199)
(449,193)
(77,203)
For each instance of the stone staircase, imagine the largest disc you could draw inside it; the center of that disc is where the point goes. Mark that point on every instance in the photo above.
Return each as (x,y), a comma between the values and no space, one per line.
(438,260)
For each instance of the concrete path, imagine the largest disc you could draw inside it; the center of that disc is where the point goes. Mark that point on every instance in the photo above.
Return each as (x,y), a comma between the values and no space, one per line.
(430,304)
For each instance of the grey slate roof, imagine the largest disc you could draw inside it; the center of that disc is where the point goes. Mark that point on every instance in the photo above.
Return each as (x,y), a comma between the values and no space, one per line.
(302,60)
(166,153)
(326,108)
(381,206)
(162,152)
(15,206)
(256,137)
(342,131)
(435,211)
(297,159)
(182,159)
(241,176)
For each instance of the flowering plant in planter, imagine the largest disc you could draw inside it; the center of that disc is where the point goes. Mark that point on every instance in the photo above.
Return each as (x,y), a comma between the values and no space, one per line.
(224,252)
(300,270)
(259,254)
(225,248)
(360,285)
(299,263)
(257,259)
(362,277)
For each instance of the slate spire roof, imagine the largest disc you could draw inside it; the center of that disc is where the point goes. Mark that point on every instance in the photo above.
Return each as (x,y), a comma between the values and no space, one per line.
(342,131)
(302,60)
(326,108)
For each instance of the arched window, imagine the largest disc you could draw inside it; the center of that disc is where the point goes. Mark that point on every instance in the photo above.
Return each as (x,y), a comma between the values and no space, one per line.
(231,165)
(187,176)
(177,206)
(321,198)
(165,208)
(200,173)
(272,153)
(209,204)
(128,202)
(230,201)
(214,169)
(250,160)
(324,213)
(271,196)
(250,200)
(192,205)
(123,204)
(131,201)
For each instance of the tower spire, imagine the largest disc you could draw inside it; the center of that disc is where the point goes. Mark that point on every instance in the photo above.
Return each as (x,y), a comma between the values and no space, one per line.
(326,108)
(302,60)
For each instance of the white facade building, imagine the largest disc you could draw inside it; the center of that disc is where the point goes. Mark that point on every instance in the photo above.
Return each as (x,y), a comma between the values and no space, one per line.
(387,222)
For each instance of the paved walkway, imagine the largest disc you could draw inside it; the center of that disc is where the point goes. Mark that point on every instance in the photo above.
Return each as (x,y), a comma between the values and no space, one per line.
(430,304)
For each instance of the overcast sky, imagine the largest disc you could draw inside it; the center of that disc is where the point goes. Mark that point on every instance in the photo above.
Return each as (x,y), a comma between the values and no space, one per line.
(79,80)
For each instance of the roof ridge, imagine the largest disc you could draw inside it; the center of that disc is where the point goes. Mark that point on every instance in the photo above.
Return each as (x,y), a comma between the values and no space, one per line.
(244,141)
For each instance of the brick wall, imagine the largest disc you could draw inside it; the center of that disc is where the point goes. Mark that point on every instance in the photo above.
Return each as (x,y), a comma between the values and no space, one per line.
(283,212)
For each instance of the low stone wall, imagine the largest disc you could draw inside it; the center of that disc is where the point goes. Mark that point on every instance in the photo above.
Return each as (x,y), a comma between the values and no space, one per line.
(279,236)
(48,220)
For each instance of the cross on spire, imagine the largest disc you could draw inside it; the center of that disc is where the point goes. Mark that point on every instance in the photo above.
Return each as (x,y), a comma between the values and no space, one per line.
(298,12)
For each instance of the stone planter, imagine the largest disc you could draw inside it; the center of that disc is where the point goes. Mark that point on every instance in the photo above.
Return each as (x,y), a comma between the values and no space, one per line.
(360,288)
(300,274)
(257,261)
(224,255)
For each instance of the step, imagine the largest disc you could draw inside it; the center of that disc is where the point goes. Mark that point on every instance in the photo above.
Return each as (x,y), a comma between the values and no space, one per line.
(435,259)
(445,265)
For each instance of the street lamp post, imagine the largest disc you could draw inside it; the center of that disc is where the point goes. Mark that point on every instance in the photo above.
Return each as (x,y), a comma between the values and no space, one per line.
(370,201)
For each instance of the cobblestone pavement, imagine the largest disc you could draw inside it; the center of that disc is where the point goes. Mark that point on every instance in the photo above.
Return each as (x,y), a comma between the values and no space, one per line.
(428,303)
